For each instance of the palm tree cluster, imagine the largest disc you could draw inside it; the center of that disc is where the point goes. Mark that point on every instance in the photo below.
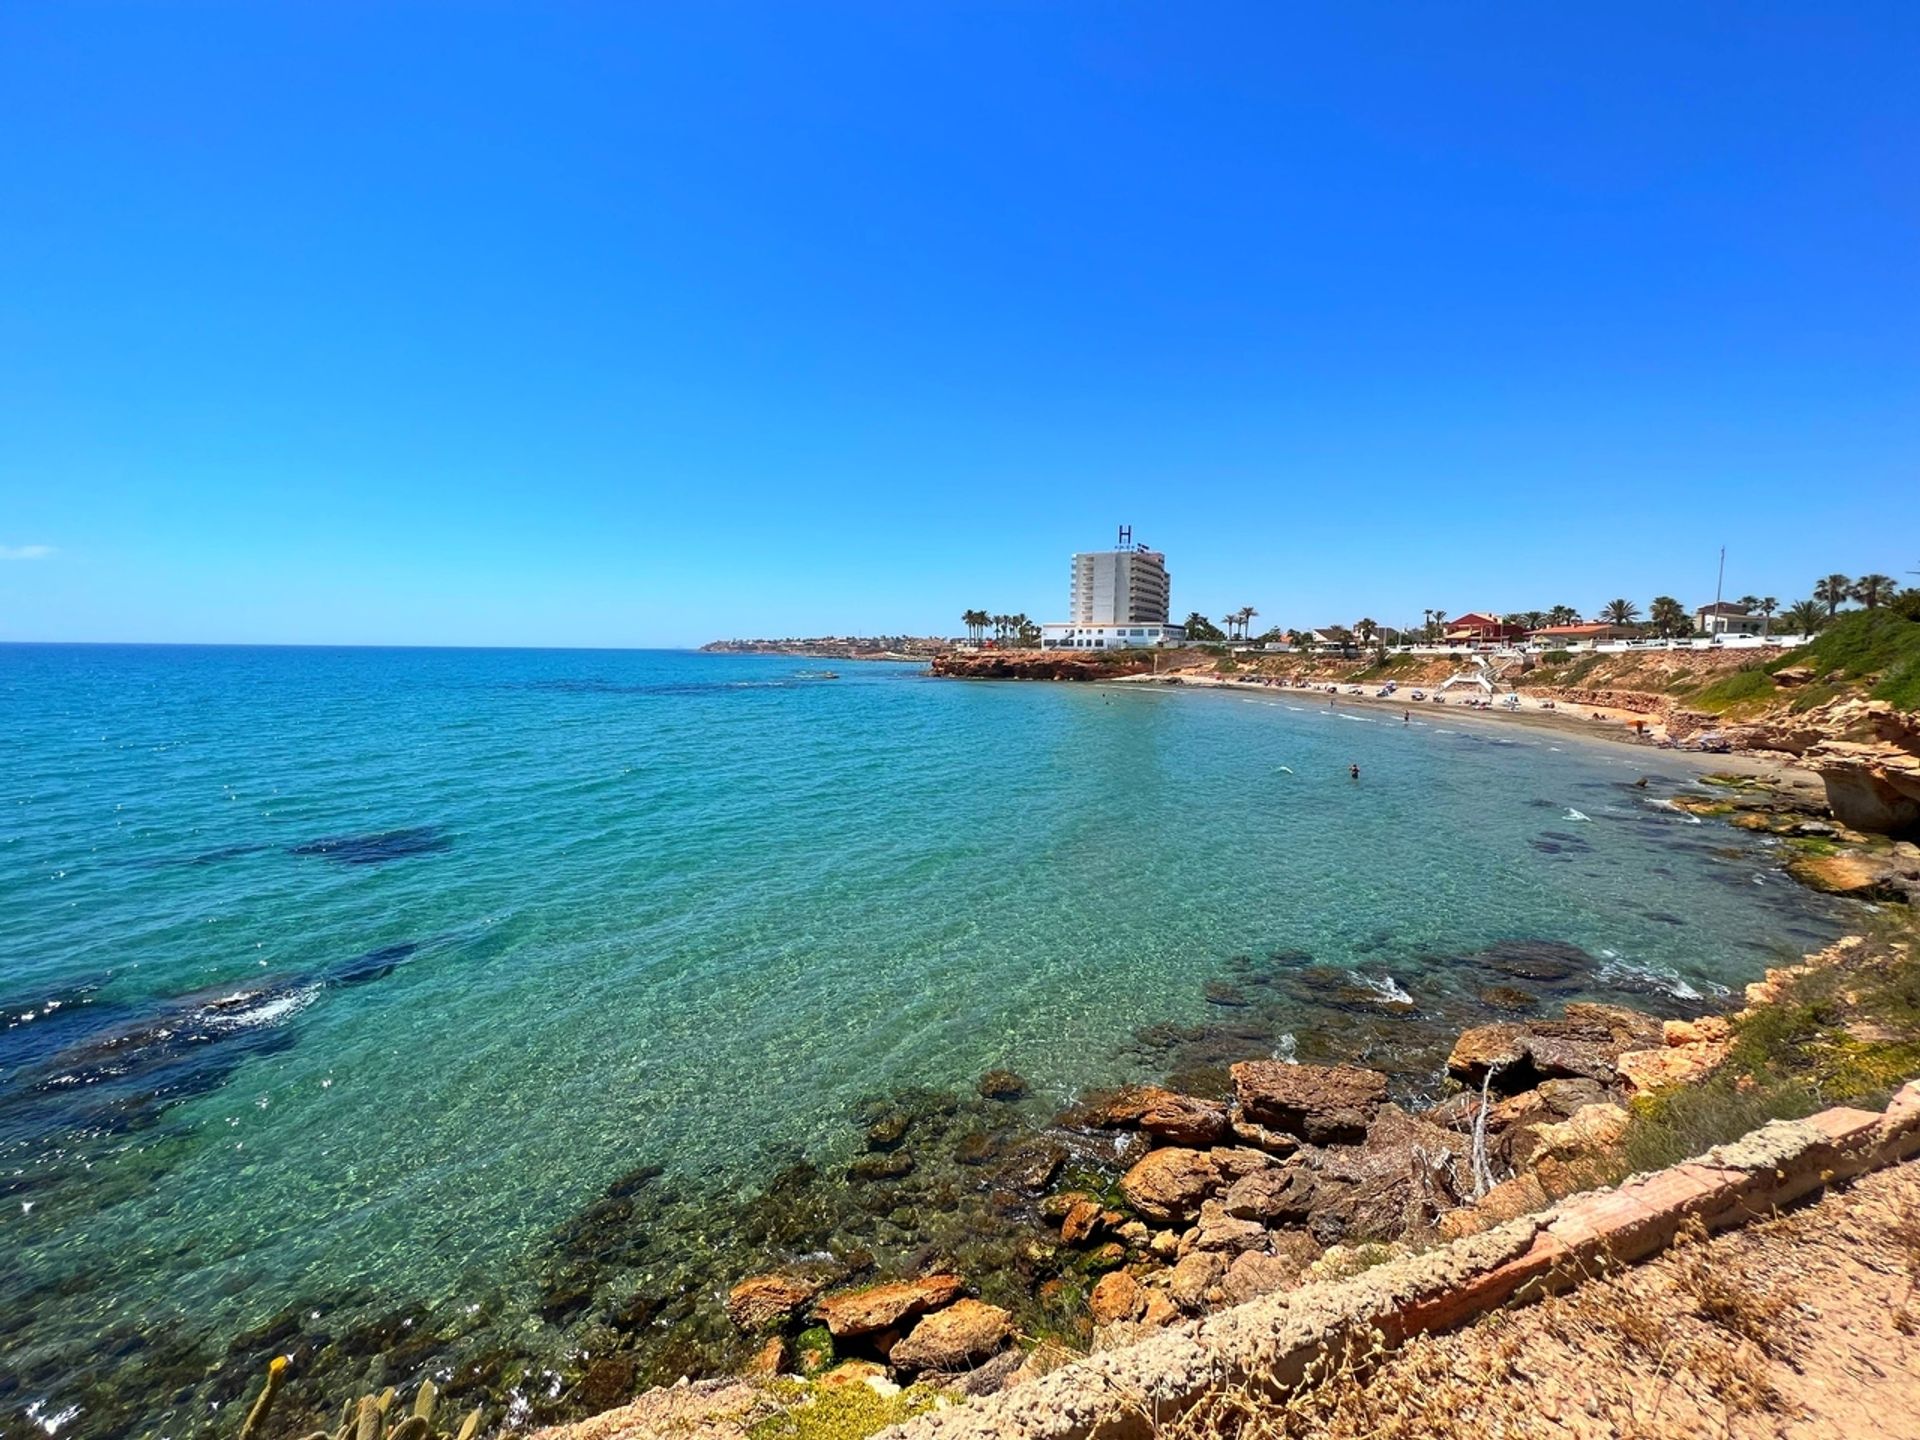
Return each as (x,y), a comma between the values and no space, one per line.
(1004,627)
(1238,622)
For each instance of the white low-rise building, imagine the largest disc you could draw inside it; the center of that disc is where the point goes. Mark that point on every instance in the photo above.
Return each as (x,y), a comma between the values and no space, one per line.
(1067,636)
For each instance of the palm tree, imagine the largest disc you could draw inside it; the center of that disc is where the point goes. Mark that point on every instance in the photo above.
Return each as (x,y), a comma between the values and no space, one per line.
(1667,614)
(1620,612)
(1247,612)
(1766,606)
(1437,623)
(1534,619)
(1803,617)
(1833,592)
(1366,630)
(1873,591)
(1563,615)
(976,622)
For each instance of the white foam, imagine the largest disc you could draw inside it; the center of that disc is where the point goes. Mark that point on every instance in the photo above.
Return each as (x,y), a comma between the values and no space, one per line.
(1573,814)
(1387,988)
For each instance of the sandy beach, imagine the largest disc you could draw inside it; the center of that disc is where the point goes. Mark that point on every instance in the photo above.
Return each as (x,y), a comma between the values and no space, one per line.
(1611,726)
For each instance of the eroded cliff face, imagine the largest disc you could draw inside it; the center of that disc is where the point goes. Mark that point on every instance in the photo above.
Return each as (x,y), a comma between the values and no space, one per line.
(1867,753)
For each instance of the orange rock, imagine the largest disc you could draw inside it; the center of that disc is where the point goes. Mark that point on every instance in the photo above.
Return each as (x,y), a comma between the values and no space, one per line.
(762,1301)
(965,1332)
(1117,1297)
(1170,1184)
(880,1307)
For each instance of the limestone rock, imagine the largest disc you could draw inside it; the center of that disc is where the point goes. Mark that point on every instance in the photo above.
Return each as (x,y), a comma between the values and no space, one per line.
(965,1332)
(1169,1184)
(1321,1103)
(1280,1196)
(1255,1273)
(765,1301)
(881,1307)
(1190,1280)
(1221,1232)
(1180,1119)
(1694,1049)
(1117,1297)
(1080,1223)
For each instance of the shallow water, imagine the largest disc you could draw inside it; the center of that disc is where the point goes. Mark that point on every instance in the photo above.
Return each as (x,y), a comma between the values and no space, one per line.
(355,972)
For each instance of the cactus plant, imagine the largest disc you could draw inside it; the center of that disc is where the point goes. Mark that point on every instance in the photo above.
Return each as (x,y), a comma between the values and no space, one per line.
(366,1419)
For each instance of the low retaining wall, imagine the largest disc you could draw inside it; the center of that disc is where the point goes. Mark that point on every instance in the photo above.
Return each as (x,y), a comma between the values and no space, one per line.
(1271,1343)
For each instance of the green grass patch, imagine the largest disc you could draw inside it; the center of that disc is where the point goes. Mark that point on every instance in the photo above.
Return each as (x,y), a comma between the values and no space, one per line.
(839,1412)
(1732,692)
(1582,668)
(1863,644)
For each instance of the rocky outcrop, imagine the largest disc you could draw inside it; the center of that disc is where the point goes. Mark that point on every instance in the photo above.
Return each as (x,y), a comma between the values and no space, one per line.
(1043,664)
(1867,753)
(1264,1349)
(1690,1050)
(1584,1045)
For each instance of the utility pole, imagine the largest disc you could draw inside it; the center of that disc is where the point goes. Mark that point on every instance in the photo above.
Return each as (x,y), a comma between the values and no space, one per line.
(1721,582)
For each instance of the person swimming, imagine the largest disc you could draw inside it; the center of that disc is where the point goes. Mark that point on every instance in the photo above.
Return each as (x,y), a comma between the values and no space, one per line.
(1354,771)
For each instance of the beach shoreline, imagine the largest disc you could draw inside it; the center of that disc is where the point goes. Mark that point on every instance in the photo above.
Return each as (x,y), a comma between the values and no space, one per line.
(1576,722)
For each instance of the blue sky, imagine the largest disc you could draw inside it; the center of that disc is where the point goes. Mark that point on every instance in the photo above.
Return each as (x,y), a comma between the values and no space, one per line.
(627,325)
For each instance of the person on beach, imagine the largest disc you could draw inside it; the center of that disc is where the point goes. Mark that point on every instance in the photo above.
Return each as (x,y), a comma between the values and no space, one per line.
(1406,717)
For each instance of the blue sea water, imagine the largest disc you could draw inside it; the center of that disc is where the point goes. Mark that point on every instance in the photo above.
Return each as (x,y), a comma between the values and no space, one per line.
(355,971)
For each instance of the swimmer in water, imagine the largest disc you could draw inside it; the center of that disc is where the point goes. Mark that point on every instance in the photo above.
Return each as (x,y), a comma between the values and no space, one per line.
(1354,771)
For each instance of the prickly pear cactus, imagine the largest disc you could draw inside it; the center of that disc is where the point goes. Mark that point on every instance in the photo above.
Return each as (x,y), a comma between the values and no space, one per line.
(368,1418)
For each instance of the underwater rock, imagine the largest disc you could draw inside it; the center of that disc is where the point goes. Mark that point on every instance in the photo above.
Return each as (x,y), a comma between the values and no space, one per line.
(377,847)
(1002,1085)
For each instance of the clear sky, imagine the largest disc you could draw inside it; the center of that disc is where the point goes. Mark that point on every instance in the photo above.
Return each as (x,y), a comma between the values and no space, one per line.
(533,323)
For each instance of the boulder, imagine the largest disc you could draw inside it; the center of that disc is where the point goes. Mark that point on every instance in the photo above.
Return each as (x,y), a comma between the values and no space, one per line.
(1081,1223)
(1189,1282)
(1181,1119)
(764,1302)
(1280,1196)
(1168,1185)
(1320,1103)
(882,1307)
(964,1333)
(1117,1297)
(1406,1173)
(1255,1274)
(1216,1230)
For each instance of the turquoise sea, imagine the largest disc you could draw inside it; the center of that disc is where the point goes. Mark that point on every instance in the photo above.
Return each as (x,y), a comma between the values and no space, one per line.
(339,979)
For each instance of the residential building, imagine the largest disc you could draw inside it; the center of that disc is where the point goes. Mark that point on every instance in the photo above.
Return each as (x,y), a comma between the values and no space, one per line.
(1477,627)
(1725,618)
(1559,637)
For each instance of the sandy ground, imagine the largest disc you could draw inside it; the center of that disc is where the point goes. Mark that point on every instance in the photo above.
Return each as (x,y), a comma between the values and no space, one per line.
(1801,1325)
(1609,726)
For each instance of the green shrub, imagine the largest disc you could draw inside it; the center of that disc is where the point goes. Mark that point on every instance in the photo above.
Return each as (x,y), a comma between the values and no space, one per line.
(1740,688)
(1557,657)
(1882,643)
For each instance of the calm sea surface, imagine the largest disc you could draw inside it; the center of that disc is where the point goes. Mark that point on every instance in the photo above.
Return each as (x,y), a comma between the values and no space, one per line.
(353,972)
